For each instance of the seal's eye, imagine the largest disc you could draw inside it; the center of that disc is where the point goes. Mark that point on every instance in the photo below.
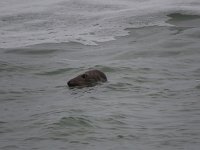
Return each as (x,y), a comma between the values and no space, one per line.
(84,76)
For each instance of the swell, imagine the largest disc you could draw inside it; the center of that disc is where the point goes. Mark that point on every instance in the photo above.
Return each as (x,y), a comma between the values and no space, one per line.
(85,22)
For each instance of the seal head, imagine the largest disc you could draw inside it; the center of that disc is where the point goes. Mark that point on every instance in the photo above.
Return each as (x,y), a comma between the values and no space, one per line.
(89,78)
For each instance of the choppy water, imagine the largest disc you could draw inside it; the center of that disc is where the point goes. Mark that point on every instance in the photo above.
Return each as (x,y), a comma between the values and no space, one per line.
(152,97)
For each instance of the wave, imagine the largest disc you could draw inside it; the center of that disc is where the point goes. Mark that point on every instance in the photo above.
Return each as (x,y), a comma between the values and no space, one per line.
(73,122)
(89,22)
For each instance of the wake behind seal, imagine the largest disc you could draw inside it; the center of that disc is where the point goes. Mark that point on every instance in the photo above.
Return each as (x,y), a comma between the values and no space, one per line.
(89,78)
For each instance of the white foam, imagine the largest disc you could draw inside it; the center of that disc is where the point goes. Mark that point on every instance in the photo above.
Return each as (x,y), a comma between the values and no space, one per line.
(27,22)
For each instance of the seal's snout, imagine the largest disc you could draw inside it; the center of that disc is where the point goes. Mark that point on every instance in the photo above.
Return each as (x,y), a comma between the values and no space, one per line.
(70,83)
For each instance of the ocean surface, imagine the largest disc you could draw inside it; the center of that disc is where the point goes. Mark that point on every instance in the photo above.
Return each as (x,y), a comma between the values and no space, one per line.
(149,50)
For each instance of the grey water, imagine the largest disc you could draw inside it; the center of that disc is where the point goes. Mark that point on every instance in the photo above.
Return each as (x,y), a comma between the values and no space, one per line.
(151,100)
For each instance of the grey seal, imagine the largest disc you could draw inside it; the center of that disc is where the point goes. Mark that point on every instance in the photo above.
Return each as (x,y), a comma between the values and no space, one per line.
(89,78)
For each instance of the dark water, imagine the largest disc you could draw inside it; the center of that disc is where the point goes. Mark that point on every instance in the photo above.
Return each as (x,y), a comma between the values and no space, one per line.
(151,100)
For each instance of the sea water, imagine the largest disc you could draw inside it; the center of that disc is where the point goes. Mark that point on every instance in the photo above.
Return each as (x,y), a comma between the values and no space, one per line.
(148,49)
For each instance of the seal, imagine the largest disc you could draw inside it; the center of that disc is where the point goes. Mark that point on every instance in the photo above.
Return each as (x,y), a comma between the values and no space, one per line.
(89,78)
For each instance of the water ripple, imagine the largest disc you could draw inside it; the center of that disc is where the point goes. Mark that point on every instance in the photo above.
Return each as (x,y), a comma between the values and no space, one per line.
(73,122)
